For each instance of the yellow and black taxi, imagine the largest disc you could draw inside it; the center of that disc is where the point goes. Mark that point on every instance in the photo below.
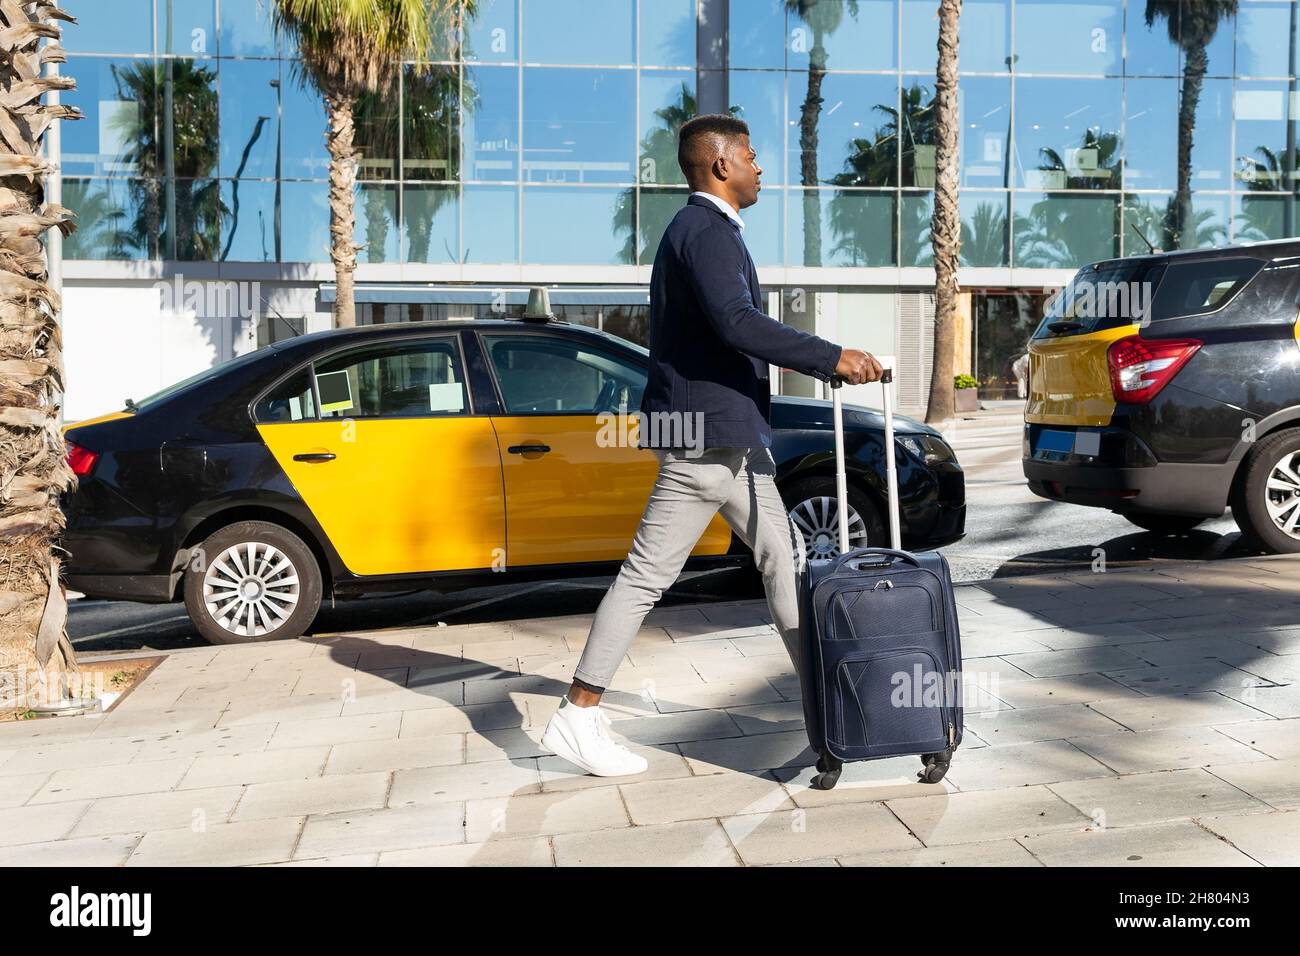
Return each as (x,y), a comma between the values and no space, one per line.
(425,455)
(1166,387)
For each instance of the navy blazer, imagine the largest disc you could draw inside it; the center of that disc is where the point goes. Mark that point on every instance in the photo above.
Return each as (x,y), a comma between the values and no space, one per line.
(711,342)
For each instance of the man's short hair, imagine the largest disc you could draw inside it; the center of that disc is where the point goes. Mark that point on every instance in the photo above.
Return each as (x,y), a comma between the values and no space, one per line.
(703,139)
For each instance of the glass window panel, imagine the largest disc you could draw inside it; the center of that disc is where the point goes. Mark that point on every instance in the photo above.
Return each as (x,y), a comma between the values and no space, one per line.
(756,33)
(249,230)
(1257,218)
(250,117)
(376,223)
(855,129)
(394,381)
(193,27)
(125,26)
(1151,134)
(843,34)
(1263,113)
(764,227)
(117,136)
(577,125)
(1265,38)
(491,118)
(667,32)
(1064,231)
(303,151)
(667,101)
(985,37)
(984,224)
(1069,37)
(572,225)
(1153,215)
(985,107)
(759,99)
(430,227)
(376,119)
(1067,133)
(579,31)
(539,374)
(915,213)
(840,227)
(110,220)
(658,206)
(492,34)
(306,209)
(631,322)
(200,210)
(1151,50)
(491,224)
(1219,49)
(430,121)
(193,117)
(246,28)
(1212,136)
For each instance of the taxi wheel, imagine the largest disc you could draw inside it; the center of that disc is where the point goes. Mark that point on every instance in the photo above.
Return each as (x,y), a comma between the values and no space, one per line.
(1266,501)
(814,508)
(257,582)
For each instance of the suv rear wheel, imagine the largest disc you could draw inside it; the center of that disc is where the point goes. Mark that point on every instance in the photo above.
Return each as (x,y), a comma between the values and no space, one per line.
(1266,502)
(257,582)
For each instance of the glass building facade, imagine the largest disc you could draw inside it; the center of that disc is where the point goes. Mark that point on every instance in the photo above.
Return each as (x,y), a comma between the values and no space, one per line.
(1083,124)
(538,145)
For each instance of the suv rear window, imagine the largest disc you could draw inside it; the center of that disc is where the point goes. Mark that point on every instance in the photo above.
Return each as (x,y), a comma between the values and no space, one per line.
(1195,288)
(1100,298)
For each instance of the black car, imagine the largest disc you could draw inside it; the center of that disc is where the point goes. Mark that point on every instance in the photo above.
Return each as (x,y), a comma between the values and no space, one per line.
(428,455)
(1177,398)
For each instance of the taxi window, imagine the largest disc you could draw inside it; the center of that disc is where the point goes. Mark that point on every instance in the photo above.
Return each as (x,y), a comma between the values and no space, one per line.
(397,380)
(540,374)
(290,401)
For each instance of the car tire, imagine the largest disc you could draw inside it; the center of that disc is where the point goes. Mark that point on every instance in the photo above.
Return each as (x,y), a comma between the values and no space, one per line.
(813,506)
(1252,496)
(1164,524)
(275,596)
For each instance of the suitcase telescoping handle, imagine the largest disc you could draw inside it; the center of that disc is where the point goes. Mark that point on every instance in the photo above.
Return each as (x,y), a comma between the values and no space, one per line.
(891,473)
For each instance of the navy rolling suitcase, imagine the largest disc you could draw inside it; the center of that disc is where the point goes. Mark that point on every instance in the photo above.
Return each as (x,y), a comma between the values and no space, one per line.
(879,655)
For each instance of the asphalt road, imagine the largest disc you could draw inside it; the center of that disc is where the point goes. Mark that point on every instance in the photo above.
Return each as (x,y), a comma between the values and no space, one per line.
(1009,531)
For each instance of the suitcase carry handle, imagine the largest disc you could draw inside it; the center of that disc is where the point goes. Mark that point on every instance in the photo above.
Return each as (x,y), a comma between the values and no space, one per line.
(863,554)
(891,473)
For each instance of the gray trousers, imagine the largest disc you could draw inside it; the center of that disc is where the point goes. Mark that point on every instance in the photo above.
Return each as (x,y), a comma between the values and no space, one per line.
(691,488)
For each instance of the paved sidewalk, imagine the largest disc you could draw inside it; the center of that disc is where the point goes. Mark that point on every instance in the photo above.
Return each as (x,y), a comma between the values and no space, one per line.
(1137,717)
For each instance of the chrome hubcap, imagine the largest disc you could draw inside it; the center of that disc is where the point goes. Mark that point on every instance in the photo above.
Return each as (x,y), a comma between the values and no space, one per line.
(818,521)
(251,589)
(1283,495)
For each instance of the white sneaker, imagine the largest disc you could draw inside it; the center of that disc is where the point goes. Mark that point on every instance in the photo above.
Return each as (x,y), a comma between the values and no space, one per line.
(581,736)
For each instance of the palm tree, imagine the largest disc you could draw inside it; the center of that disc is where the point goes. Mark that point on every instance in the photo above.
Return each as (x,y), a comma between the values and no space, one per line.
(106,236)
(1192,24)
(823,18)
(349,48)
(36,658)
(945,228)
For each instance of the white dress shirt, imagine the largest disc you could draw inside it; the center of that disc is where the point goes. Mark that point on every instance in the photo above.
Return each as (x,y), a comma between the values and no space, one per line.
(723,205)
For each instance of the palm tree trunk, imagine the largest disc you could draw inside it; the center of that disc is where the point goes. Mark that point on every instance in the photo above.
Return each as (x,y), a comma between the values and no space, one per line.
(343,176)
(945,228)
(808,119)
(36,657)
(1194,70)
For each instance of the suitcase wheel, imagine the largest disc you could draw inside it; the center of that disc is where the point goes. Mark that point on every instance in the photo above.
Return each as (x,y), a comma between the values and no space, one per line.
(828,774)
(934,766)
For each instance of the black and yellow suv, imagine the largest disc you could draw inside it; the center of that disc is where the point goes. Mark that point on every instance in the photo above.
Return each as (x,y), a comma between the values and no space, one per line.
(1166,387)
(427,455)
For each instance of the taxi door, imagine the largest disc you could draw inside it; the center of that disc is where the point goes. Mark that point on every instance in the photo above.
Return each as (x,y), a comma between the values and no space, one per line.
(383,446)
(575,482)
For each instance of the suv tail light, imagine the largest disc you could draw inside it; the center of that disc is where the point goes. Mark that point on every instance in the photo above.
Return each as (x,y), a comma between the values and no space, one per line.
(1140,368)
(81,460)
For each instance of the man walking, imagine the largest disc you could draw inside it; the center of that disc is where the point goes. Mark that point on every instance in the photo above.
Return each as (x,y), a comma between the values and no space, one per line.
(710,347)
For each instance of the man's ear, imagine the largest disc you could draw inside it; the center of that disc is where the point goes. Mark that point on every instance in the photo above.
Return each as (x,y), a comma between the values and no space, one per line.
(722,167)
